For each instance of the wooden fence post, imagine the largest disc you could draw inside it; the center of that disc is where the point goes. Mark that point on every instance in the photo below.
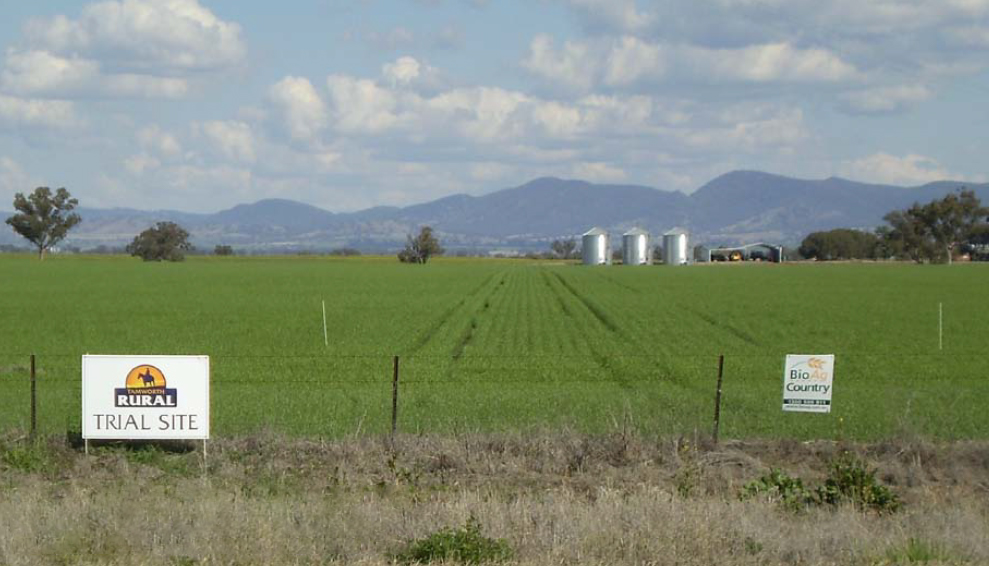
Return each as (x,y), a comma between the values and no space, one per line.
(717,398)
(34,399)
(394,397)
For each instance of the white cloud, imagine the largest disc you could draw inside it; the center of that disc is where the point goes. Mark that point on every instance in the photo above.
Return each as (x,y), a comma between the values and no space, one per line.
(360,106)
(40,73)
(402,71)
(627,114)
(911,169)
(625,61)
(299,107)
(572,67)
(157,147)
(234,139)
(138,164)
(632,59)
(122,49)
(148,35)
(599,172)
(752,129)
(29,72)
(884,99)
(556,119)
(481,114)
(13,178)
(152,138)
(24,112)
(769,63)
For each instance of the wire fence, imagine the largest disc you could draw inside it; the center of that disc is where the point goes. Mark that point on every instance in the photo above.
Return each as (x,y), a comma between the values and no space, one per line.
(875,394)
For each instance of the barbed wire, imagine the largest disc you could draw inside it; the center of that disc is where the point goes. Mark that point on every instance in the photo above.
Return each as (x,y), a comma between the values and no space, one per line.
(913,354)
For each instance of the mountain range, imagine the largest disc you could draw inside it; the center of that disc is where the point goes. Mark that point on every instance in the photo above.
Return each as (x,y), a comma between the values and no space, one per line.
(738,207)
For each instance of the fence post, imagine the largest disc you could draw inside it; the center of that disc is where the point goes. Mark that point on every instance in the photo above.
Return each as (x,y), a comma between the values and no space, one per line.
(394,396)
(34,399)
(717,398)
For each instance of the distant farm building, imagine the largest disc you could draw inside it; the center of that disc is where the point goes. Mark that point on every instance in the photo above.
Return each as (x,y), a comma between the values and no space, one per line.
(749,252)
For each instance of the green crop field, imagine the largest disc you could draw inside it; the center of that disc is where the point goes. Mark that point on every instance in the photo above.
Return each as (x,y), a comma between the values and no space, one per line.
(510,344)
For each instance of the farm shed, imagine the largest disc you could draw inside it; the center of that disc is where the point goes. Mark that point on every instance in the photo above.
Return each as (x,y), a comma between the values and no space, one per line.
(749,252)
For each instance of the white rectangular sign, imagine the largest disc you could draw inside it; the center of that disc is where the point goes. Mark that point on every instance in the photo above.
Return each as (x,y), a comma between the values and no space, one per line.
(141,397)
(807,383)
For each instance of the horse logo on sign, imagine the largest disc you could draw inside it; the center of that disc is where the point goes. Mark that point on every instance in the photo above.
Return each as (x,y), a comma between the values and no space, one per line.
(145,386)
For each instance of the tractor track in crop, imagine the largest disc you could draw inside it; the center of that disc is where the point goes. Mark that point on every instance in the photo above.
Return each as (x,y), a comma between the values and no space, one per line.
(723,326)
(600,358)
(424,337)
(468,334)
(595,310)
(600,273)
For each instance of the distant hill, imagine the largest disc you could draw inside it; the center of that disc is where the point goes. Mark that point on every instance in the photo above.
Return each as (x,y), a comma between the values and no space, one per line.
(738,207)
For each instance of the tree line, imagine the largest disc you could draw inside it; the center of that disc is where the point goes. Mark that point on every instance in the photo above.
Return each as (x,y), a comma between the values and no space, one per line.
(935,232)
(44,218)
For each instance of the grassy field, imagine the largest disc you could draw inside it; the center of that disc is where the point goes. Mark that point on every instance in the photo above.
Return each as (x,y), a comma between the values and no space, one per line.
(510,344)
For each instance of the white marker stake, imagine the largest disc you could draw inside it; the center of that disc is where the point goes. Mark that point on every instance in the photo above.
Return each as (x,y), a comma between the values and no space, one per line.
(940,326)
(326,339)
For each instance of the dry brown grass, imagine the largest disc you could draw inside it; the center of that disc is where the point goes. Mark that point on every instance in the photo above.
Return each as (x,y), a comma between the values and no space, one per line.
(557,497)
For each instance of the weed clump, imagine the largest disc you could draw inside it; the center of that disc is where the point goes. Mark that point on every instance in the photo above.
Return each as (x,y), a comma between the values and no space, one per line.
(778,486)
(465,545)
(848,481)
(29,457)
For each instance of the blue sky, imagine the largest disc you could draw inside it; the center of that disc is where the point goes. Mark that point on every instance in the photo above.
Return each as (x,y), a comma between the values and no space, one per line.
(198,105)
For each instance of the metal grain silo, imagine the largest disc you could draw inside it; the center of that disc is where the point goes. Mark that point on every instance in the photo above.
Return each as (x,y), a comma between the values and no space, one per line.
(596,247)
(676,247)
(635,247)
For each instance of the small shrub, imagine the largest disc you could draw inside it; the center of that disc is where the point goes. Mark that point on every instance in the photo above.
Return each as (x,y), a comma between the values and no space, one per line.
(779,486)
(848,481)
(466,545)
(852,482)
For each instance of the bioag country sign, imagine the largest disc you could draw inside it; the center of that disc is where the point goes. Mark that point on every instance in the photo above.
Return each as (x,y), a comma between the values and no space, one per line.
(807,383)
(150,397)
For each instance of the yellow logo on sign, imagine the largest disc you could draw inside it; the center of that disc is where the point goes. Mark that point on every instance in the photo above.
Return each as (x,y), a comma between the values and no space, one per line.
(145,377)
(145,387)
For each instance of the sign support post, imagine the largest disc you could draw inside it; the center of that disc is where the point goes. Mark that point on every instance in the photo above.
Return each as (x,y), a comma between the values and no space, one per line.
(940,326)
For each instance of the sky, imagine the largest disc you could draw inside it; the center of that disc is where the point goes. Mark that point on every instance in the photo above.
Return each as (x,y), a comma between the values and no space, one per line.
(199,105)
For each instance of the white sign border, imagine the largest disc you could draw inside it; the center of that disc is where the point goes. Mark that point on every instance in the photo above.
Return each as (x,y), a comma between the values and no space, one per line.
(138,357)
(815,409)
